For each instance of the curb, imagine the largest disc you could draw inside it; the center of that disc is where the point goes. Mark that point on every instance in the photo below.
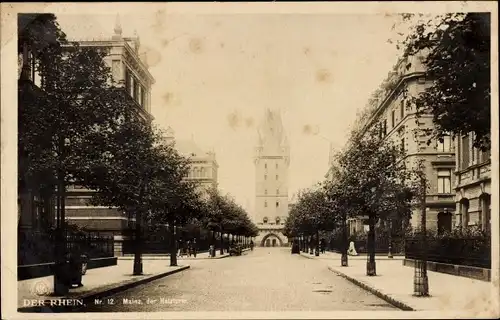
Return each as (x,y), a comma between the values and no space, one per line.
(381,295)
(110,290)
(128,285)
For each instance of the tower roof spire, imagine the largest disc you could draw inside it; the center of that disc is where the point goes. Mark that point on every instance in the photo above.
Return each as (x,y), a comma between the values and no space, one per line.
(118,27)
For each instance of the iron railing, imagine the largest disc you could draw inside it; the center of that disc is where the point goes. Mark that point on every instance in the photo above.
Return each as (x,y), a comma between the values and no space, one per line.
(456,251)
(35,247)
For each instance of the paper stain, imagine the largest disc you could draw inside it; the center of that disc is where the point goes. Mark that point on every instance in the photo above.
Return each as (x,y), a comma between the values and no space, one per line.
(249,122)
(196,45)
(306,51)
(152,56)
(171,99)
(233,120)
(159,20)
(309,129)
(324,76)
(222,45)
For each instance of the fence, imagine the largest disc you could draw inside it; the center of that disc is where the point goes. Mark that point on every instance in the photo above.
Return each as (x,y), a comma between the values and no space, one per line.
(361,245)
(465,252)
(36,247)
(159,245)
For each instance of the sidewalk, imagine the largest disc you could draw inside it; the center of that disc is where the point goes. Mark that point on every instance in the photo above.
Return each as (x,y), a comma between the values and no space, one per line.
(99,281)
(394,284)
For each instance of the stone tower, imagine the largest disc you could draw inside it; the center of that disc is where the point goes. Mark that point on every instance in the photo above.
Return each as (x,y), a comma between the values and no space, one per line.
(272,159)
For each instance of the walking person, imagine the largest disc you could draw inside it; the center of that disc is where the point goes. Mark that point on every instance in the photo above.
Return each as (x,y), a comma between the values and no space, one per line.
(194,247)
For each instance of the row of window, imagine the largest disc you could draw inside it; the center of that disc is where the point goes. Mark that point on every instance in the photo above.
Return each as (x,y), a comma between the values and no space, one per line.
(403,104)
(265,177)
(265,165)
(484,214)
(277,204)
(198,173)
(134,88)
(277,219)
(277,191)
(470,155)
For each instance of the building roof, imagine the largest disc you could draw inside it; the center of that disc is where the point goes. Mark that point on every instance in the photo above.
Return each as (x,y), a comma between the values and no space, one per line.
(189,148)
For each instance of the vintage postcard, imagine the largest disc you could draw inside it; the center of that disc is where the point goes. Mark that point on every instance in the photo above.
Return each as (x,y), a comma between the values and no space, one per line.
(250,160)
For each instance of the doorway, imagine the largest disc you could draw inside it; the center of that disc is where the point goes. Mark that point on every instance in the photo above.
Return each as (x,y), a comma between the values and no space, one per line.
(444,222)
(268,243)
(274,242)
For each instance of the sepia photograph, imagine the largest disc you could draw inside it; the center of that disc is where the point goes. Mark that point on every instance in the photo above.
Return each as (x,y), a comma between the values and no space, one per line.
(250,160)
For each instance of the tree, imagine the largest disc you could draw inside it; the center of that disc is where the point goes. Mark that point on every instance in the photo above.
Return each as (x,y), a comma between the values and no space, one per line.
(65,124)
(456,55)
(376,182)
(313,212)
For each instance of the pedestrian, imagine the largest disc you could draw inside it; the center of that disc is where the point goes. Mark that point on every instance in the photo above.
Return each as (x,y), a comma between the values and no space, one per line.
(251,245)
(352,249)
(189,248)
(194,247)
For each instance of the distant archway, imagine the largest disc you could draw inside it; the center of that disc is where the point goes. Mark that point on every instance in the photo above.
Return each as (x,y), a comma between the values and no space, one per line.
(271,240)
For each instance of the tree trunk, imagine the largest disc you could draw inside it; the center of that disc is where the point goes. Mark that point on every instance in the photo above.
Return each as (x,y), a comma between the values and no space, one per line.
(221,243)
(370,265)
(60,283)
(173,247)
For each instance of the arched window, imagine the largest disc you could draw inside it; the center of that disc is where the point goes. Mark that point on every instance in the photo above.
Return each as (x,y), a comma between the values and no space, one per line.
(278,220)
(264,220)
(202,172)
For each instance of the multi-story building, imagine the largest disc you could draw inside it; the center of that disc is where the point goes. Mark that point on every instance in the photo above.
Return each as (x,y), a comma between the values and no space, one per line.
(472,185)
(130,73)
(398,122)
(272,159)
(203,164)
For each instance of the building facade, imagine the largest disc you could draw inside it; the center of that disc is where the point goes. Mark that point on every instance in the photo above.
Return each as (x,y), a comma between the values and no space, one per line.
(472,185)
(397,121)
(130,72)
(272,160)
(203,164)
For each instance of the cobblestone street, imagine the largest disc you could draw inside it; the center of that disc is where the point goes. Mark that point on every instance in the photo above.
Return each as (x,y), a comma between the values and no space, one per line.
(267,279)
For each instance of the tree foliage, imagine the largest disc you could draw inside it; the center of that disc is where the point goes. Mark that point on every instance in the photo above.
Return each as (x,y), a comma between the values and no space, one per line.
(456,49)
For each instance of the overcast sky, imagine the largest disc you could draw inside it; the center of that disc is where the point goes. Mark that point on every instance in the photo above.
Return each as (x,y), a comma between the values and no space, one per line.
(216,73)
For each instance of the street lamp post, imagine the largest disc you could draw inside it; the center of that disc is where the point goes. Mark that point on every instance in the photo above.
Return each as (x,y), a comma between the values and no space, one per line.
(344,260)
(389,255)
(420,281)
(370,263)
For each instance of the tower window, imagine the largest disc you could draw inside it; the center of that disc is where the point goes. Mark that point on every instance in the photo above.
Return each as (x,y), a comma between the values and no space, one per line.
(265,165)
(277,191)
(276,166)
(276,177)
(277,204)
(265,191)
(265,204)
(265,177)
